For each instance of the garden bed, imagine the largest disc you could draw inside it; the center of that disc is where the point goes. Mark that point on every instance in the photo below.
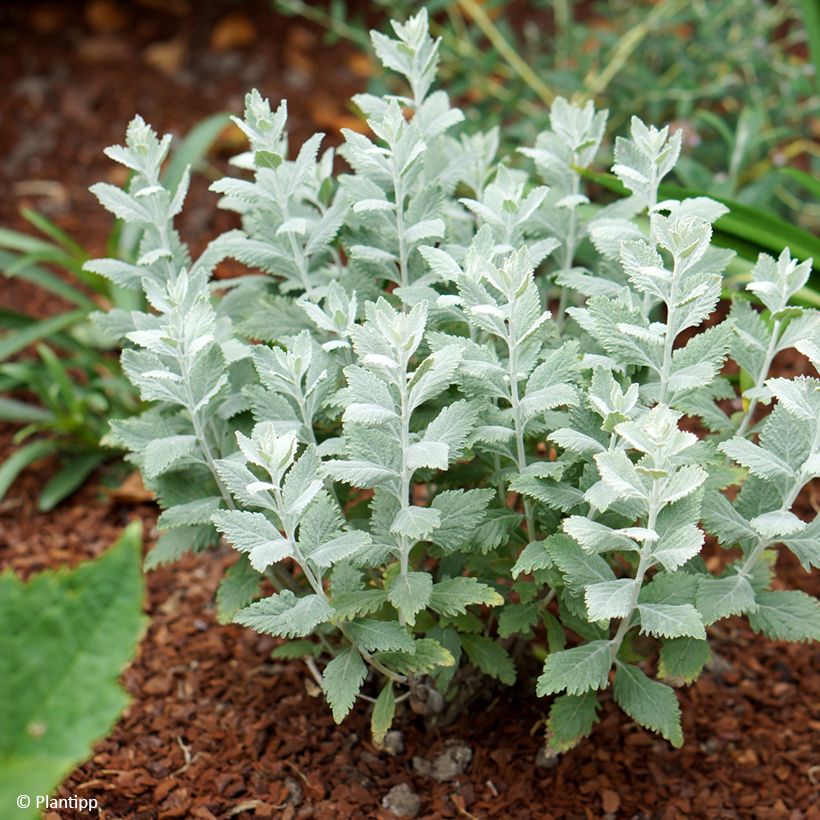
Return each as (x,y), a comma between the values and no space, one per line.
(218,729)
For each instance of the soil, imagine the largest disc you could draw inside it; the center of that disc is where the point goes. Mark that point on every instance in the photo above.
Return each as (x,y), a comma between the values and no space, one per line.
(216,729)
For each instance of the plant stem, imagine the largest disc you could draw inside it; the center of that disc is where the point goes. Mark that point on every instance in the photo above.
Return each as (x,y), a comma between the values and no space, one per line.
(507,51)
(761,377)
(569,247)
(515,403)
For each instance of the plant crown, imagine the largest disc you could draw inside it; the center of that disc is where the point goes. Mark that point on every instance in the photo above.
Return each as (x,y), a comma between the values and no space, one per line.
(388,423)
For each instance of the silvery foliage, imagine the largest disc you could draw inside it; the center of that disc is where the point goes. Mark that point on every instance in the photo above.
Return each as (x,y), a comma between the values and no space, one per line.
(387,423)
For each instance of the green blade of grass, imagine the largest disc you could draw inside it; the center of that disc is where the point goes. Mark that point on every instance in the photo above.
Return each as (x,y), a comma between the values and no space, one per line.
(193,148)
(22,411)
(47,227)
(70,477)
(45,279)
(15,342)
(20,459)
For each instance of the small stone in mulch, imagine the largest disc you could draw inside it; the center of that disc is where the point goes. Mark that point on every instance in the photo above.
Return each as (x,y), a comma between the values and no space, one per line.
(448,765)
(402,801)
(393,742)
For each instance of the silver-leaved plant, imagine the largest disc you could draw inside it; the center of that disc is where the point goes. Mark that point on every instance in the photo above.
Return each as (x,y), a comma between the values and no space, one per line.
(437,474)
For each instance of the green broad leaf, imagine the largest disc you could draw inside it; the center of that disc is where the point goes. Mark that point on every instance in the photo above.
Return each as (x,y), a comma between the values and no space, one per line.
(453,596)
(518,619)
(671,621)
(252,533)
(237,589)
(342,680)
(610,599)
(534,556)
(490,657)
(284,615)
(416,523)
(355,603)
(653,705)
(787,616)
(683,659)
(384,710)
(428,655)
(380,636)
(295,650)
(571,719)
(576,670)
(410,593)
(65,638)
(721,597)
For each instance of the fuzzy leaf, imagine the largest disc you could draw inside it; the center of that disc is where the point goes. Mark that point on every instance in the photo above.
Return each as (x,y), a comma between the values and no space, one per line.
(652,704)
(342,680)
(576,670)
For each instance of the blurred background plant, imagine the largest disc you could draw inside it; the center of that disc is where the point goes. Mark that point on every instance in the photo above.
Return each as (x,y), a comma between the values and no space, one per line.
(740,77)
(60,378)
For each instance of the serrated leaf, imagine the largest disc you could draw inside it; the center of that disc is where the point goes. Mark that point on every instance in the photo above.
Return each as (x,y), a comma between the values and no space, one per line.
(678,546)
(410,593)
(720,597)
(490,657)
(384,710)
(237,589)
(786,616)
(342,680)
(571,718)
(344,546)
(518,619)
(610,599)
(654,705)
(671,621)
(428,655)
(760,462)
(254,534)
(380,636)
(416,523)
(352,604)
(453,596)
(683,659)
(284,615)
(576,670)
(534,556)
